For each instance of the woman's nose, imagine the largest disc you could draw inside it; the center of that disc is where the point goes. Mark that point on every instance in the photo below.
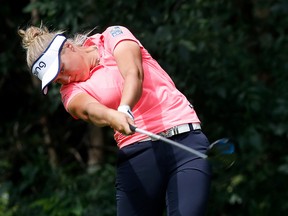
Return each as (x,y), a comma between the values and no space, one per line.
(62,79)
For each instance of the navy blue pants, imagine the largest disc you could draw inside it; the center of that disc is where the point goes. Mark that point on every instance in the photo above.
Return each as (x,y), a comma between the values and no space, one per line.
(153,174)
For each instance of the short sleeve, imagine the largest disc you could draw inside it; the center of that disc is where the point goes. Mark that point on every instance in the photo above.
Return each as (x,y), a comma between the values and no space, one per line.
(68,92)
(115,34)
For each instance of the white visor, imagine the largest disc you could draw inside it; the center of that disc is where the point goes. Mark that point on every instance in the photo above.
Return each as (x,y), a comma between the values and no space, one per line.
(47,66)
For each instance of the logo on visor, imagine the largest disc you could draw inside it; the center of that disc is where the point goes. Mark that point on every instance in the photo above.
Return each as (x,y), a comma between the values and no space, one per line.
(40,66)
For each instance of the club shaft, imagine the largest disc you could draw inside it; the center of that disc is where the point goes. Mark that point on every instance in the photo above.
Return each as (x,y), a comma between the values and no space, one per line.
(164,139)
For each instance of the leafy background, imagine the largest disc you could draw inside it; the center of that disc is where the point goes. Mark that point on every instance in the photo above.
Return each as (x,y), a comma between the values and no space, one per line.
(228,57)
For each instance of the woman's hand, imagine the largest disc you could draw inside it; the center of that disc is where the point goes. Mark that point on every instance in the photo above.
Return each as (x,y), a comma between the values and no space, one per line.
(120,121)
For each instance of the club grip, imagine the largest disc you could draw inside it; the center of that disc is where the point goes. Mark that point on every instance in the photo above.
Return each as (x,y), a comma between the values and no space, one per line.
(132,127)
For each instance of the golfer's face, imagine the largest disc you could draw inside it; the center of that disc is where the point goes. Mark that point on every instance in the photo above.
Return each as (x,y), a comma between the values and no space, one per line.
(73,66)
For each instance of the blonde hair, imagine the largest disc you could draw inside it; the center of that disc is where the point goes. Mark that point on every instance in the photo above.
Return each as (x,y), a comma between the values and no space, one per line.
(36,39)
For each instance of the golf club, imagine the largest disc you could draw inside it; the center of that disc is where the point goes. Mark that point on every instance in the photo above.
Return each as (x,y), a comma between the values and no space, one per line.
(221,152)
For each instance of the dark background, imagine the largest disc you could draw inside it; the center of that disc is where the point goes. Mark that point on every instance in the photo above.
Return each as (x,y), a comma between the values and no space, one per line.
(228,57)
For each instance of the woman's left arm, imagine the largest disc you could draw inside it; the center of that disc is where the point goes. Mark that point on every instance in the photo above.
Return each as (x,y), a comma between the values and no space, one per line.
(129,61)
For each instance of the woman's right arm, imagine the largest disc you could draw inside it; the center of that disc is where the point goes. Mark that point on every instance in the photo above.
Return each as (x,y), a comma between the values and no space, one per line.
(87,108)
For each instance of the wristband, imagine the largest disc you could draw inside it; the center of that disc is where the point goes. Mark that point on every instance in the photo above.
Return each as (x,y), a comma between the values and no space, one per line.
(127,110)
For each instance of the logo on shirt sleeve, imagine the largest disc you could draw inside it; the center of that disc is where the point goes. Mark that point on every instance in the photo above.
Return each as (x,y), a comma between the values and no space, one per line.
(116,31)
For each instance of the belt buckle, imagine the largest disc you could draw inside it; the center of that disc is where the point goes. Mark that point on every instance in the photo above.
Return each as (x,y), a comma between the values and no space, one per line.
(167,133)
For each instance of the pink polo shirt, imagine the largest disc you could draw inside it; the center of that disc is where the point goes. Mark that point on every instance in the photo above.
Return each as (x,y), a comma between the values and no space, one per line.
(161,105)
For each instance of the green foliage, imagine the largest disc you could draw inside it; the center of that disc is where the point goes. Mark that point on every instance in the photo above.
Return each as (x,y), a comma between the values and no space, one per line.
(43,191)
(228,57)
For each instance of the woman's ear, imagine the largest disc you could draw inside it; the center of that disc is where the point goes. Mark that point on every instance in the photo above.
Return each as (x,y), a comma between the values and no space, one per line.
(69,46)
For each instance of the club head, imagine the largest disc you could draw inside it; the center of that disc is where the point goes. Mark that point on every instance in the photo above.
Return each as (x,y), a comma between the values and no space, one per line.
(222,154)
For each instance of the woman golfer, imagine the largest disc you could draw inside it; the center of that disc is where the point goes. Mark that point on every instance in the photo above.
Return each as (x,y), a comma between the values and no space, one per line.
(110,79)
